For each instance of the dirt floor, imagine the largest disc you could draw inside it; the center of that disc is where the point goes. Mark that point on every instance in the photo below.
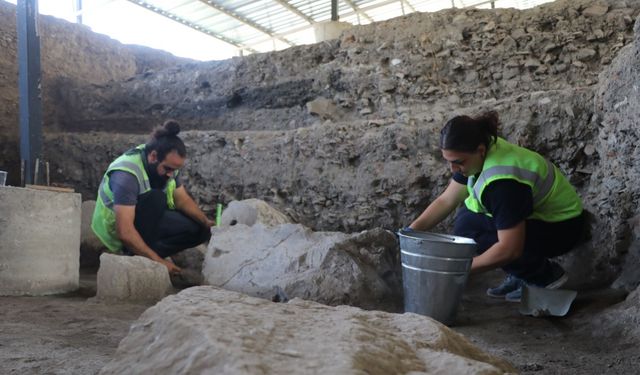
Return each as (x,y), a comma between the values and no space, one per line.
(71,334)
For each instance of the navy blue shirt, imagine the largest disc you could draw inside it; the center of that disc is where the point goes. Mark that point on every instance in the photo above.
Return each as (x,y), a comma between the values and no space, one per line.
(507,200)
(124,186)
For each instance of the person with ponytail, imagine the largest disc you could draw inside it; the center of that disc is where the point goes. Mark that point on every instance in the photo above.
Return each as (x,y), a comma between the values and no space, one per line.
(518,206)
(142,207)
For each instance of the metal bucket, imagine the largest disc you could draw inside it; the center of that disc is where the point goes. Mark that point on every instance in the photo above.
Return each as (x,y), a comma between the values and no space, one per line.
(435,268)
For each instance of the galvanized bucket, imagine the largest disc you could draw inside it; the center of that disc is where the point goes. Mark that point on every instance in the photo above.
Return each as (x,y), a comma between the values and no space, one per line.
(435,268)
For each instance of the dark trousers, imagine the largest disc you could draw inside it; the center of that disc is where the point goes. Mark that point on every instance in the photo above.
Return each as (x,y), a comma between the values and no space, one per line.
(543,240)
(166,231)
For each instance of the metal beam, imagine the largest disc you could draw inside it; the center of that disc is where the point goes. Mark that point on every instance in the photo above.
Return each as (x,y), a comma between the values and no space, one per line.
(358,10)
(408,4)
(296,11)
(334,10)
(246,21)
(192,25)
(77,7)
(348,14)
(29,86)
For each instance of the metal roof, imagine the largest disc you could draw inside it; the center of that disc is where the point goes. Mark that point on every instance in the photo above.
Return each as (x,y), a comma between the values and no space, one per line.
(267,25)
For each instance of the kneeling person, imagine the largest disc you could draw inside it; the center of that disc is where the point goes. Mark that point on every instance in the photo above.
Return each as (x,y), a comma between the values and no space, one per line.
(142,207)
(518,207)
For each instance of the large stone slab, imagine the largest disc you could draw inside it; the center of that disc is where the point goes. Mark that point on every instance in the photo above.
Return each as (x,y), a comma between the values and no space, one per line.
(333,268)
(39,241)
(133,279)
(208,330)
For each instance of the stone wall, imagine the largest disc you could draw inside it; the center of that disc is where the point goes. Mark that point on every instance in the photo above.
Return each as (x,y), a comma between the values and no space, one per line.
(397,68)
(614,187)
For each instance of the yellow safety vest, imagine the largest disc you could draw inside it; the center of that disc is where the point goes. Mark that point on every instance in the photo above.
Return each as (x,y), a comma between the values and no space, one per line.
(103,222)
(554,199)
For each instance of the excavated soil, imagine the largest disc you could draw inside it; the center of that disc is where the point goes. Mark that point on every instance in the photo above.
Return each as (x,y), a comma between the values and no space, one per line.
(72,334)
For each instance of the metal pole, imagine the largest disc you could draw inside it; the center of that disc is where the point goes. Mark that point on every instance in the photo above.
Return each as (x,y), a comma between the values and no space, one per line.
(29,85)
(334,10)
(78,6)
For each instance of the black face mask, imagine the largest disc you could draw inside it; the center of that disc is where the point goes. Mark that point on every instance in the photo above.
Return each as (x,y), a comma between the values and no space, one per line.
(155,180)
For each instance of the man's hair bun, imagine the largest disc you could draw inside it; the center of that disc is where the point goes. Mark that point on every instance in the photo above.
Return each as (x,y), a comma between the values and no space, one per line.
(170,128)
(164,139)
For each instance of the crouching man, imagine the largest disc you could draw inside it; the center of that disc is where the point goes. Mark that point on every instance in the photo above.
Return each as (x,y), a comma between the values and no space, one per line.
(142,207)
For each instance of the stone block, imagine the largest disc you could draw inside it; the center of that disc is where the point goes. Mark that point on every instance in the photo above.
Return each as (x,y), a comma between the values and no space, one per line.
(208,330)
(250,212)
(133,279)
(39,241)
(333,268)
(323,108)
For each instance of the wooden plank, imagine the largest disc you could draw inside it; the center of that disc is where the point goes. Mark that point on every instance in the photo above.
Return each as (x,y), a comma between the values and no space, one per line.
(50,188)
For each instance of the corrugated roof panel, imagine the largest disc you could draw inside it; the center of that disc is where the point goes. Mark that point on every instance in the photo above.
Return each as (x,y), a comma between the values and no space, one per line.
(319,11)
(278,19)
(275,24)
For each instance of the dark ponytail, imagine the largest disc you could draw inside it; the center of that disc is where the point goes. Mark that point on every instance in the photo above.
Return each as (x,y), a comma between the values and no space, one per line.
(164,139)
(465,134)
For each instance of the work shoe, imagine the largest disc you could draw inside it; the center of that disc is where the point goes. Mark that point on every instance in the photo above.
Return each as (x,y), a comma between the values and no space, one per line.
(509,284)
(554,280)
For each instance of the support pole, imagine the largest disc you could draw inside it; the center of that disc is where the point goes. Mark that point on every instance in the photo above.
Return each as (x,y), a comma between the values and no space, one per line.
(29,86)
(334,10)
(78,6)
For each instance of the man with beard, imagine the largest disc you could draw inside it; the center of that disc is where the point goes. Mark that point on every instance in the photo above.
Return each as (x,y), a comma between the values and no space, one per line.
(142,207)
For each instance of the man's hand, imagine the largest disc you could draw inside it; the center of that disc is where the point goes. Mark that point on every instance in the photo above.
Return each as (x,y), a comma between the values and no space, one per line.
(171,267)
(188,206)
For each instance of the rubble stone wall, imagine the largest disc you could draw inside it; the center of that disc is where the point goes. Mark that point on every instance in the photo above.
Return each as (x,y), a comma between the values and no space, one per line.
(396,68)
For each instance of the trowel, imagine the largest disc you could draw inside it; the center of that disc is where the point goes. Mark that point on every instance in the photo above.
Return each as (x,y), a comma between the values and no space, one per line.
(540,302)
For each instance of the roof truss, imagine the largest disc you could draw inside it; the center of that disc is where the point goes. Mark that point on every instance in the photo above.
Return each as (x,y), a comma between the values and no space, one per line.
(192,25)
(286,18)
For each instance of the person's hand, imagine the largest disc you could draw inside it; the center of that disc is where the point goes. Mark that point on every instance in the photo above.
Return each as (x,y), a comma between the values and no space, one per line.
(210,223)
(171,267)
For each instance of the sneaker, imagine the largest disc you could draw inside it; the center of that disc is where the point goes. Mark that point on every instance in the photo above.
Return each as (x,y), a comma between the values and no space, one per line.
(509,284)
(554,280)
(515,295)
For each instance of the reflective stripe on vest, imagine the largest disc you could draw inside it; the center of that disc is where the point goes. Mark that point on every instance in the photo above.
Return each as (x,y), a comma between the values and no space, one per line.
(108,202)
(540,187)
(553,197)
(143,182)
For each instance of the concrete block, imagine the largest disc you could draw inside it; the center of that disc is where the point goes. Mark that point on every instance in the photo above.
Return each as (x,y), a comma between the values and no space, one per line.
(134,279)
(39,241)
(330,30)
